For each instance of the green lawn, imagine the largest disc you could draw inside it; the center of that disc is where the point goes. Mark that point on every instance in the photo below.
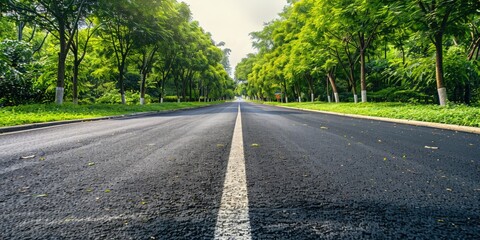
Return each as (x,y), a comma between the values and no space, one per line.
(38,113)
(452,114)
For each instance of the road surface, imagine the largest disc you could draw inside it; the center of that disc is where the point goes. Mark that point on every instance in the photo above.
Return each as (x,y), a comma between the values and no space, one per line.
(248,172)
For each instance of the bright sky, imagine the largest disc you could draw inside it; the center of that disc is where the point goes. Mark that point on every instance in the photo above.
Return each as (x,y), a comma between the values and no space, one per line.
(231,21)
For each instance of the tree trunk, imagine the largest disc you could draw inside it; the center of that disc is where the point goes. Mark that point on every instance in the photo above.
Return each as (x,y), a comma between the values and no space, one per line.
(142,88)
(285,88)
(310,86)
(442,91)
(76,65)
(62,57)
(20,27)
(207,92)
(363,82)
(331,78)
(192,89)
(184,89)
(328,92)
(162,90)
(354,84)
(121,83)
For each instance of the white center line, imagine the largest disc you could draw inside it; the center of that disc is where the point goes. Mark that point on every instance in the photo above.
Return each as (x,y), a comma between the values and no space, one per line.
(233,221)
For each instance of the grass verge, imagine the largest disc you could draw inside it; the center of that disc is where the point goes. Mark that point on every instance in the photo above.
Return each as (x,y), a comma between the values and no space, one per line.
(452,114)
(39,113)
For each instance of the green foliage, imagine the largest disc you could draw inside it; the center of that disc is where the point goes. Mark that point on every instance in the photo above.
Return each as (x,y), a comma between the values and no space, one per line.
(393,94)
(461,76)
(140,48)
(112,97)
(170,99)
(392,48)
(16,86)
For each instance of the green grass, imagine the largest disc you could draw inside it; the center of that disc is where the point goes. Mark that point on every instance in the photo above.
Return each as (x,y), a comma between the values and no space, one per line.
(451,114)
(38,113)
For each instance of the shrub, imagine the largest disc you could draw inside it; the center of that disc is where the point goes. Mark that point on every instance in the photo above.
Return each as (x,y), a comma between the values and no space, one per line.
(114,97)
(170,99)
(16,86)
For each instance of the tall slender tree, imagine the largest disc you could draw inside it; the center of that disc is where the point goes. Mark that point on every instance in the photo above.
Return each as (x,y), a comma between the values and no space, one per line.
(61,19)
(438,18)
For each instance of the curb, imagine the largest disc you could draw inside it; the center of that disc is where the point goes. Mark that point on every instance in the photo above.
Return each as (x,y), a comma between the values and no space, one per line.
(443,126)
(32,126)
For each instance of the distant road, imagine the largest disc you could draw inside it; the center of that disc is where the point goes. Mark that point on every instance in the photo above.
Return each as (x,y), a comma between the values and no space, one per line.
(299,175)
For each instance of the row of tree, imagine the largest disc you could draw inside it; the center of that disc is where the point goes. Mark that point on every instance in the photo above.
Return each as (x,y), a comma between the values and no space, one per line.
(410,50)
(108,51)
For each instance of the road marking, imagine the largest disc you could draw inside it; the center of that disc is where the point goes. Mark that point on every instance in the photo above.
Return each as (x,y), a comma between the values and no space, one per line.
(233,221)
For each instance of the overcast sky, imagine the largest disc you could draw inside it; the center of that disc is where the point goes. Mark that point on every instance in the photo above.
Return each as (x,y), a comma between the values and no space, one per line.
(231,21)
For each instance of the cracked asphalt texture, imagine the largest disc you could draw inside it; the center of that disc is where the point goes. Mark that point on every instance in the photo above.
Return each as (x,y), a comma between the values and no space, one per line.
(309,176)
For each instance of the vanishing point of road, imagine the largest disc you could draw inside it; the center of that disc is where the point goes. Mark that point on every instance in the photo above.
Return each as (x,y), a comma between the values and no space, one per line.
(239,171)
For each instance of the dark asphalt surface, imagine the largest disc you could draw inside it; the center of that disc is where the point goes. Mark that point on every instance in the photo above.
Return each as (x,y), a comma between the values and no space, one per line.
(309,176)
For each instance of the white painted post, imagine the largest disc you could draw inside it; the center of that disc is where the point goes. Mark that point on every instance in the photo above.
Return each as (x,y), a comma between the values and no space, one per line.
(364,96)
(59,95)
(442,96)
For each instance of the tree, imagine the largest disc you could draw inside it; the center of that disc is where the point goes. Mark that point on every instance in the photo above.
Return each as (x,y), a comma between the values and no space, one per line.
(150,41)
(61,19)
(438,18)
(122,24)
(79,47)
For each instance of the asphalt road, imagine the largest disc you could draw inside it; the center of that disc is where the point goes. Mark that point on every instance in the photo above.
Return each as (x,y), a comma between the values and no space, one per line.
(308,176)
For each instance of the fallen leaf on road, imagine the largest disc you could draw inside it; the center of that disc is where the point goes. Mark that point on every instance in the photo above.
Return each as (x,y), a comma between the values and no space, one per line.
(107,190)
(411,171)
(28,157)
(42,159)
(429,147)
(220,145)
(90,164)
(255,145)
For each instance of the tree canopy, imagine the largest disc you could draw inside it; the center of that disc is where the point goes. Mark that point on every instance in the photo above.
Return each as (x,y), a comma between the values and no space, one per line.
(125,51)
(411,51)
